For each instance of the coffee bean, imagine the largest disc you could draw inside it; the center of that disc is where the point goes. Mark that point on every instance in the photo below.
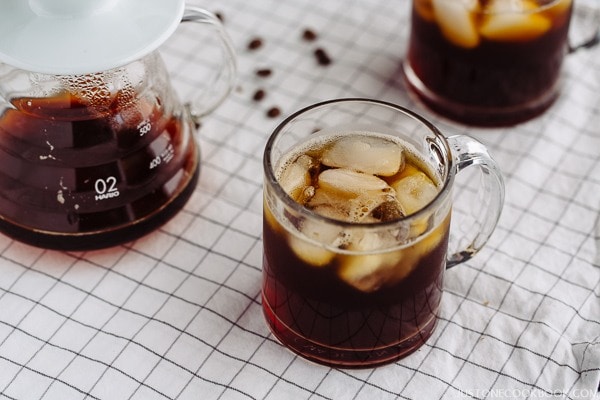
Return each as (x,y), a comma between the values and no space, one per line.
(259,95)
(322,57)
(264,72)
(273,112)
(309,35)
(255,43)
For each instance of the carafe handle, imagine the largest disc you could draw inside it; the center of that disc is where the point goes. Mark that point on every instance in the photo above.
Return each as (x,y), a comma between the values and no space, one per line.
(223,81)
(468,152)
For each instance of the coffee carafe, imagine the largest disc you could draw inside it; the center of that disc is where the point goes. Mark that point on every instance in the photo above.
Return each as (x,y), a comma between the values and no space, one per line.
(96,148)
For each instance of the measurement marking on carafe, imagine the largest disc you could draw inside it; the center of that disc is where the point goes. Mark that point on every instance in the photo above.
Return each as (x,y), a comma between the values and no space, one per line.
(144,127)
(164,157)
(106,188)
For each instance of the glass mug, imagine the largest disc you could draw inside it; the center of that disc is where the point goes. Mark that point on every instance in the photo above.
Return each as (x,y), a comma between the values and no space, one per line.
(489,63)
(352,277)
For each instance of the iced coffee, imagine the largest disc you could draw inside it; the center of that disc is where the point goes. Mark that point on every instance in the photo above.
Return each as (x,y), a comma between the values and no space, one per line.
(82,175)
(487,62)
(346,283)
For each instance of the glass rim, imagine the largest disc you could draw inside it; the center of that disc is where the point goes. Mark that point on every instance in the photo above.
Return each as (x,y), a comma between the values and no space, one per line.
(271,179)
(539,7)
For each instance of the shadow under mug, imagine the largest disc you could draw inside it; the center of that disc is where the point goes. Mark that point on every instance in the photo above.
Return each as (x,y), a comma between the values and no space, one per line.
(496,64)
(308,301)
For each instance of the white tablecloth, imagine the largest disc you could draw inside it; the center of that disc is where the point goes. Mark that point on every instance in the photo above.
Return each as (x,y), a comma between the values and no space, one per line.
(177,314)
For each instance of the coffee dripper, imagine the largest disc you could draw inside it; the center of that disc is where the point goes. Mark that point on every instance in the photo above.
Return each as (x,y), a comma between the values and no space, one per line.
(96,148)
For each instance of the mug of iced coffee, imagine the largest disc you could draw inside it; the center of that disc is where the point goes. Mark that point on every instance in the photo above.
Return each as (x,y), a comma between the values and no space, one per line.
(489,62)
(357,208)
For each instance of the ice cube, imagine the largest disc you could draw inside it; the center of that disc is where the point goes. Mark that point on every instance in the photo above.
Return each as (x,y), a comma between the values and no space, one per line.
(388,210)
(350,184)
(417,226)
(456,19)
(310,253)
(408,170)
(343,208)
(366,273)
(412,254)
(432,239)
(330,204)
(326,198)
(311,246)
(320,231)
(368,154)
(513,21)
(296,176)
(370,271)
(370,241)
(415,191)
(503,6)
(361,208)
(354,197)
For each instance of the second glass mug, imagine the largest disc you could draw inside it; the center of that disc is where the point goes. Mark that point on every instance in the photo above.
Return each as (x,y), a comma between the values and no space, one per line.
(354,306)
(491,63)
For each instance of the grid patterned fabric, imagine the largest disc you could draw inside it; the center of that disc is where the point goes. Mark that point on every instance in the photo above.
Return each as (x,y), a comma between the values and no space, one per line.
(177,314)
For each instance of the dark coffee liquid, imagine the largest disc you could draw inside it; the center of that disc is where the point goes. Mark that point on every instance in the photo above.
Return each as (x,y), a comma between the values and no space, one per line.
(494,83)
(77,176)
(324,319)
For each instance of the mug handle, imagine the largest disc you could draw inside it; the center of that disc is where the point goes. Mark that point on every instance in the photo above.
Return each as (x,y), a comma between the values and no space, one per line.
(224,80)
(585,14)
(467,152)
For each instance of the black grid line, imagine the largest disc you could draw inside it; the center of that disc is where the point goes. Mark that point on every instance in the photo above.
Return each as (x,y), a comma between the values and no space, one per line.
(461,301)
(503,299)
